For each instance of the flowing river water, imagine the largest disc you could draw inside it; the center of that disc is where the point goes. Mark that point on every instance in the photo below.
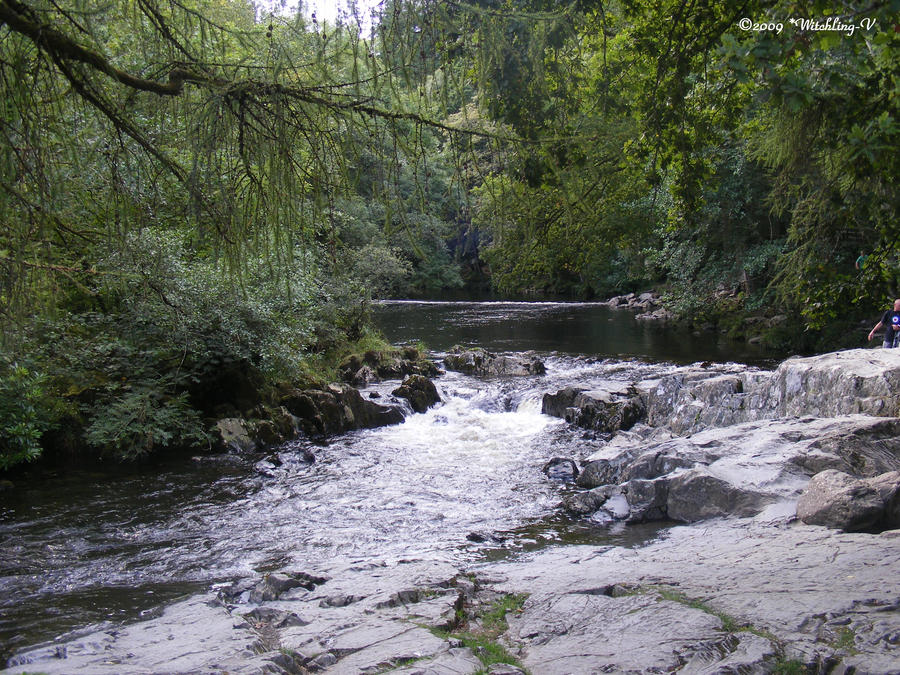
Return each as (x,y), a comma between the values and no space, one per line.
(461,481)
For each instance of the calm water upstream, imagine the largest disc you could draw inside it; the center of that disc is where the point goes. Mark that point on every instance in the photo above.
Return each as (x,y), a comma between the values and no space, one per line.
(84,548)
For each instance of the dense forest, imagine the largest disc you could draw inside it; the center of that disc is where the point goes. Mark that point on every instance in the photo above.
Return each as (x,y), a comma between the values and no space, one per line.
(204,196)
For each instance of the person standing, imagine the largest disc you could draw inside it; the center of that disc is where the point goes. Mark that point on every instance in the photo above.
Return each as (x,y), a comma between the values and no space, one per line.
(890,320)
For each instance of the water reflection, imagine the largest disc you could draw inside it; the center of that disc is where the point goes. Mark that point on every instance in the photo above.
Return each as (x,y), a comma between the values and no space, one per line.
(567,328)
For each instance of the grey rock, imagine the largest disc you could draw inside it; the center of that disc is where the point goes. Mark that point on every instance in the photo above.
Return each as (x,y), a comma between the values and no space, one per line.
(273,586)
(837,500)
(855,381)
(505,669)
(582,503)
(557,404)
(697,495)
(739,470)
(478,361)
(584,633)
(597,473)
(321,662)
(340,600)
(888,487)
(232,434)
(276,618)
(602,410)
(336,409)
(456,660)
(419,391)
(745,569)
(647,499)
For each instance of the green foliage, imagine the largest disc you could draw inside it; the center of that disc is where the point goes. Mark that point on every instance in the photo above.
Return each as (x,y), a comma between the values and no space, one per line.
(493,619)
(24,416)
(790,667)
(141,418)
(482,639)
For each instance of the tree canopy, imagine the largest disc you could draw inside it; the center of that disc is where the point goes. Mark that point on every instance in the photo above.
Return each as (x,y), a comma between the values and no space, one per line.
(191,183)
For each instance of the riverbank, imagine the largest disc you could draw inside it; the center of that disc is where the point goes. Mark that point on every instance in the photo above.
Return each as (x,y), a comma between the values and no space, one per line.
(744,587)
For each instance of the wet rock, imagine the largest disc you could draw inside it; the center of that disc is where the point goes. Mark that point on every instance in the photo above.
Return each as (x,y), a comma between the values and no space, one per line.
(839,501)
(590,501)
(483,537)
(265,468)
(337,409)
(364,377)
(478,361)
(601,410)
(233,434)
(557,404)
(562,469)
(419,391)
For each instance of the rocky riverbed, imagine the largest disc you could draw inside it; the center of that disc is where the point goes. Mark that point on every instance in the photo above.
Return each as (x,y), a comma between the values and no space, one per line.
(738,585)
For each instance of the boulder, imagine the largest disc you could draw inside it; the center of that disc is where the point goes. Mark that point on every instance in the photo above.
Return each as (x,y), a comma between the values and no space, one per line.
(743,469)
(557,404)
(337,409)
(888,487)
(647,499)
(233,434)
(601,410)
(597,473)
(840,501)
(697,495)
(478,361)
(590,501)
(562,469)
(361,370)
(419,391)
(274,585)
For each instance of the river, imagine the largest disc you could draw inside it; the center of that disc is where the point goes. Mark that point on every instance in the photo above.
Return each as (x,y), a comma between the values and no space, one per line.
(462,481)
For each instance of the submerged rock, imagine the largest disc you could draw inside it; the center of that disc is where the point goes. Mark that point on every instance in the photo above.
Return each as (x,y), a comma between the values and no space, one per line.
(478,361)
(562,469)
